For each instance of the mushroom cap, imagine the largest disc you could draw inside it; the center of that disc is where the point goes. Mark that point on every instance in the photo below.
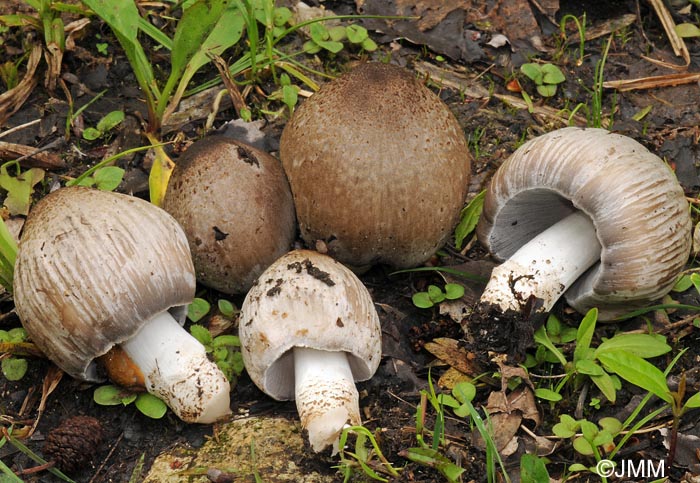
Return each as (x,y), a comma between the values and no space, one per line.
(638,208)
(306,299)
(236,208)
(92,267)
(379,167)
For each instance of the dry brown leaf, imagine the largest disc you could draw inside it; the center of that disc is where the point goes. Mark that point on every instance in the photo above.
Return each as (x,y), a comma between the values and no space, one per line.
(451,377)
(13,99)
(449,352)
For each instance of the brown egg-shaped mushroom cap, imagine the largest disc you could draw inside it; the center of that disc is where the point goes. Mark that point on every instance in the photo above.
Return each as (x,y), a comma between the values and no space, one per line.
(236,208)
(92,267)
(306,299)
(632,197)
(379,167)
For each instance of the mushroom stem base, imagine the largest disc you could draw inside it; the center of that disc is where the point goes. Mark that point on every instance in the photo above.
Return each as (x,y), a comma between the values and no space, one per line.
(176,369)
(545,267)
(326,395)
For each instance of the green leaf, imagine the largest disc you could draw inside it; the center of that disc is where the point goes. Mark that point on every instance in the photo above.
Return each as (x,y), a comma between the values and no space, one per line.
(637,371)
(197,309)
(551,74)
(319,34)
(356,34)
(682,284)
(19,189)
(693,401)
(203,335)
(110,121)
(542,338)
(584,335)
(469,217)
(436,294)
(337,33)
(606,384)
(108,178)
(281,15)
(206,29)
(151,406)
(453,291)
(687,30)
(226,341)
(588,367)
(369,45)
(610,424)
(603,437)
(642,345)
(576,467)
(226,308)
(464,391)
(533,72)
(434,459)
(90,134)
(290,96)
(547,90)
(547,394)
(108,395)
(17,334)
(422,300)
(14,368)
(310,47)
(588,429)
(533,469)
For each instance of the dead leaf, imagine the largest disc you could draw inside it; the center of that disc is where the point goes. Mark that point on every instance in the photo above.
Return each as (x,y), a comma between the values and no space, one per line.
(449,352)
(451,377)
(13,99)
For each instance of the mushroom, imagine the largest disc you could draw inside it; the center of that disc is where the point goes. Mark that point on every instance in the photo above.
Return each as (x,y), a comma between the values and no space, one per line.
(379,167)
(584,212)
(235,205)
(308,330)
(97,269)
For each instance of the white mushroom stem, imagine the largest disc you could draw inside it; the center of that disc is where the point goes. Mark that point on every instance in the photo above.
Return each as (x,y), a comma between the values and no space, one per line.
(176,369)
(325,394)
(546,266)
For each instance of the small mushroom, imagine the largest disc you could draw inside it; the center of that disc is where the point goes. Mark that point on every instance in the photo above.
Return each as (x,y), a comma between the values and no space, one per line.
(235,205)
(97,269)
(379,167)
(308,330)
(588,213)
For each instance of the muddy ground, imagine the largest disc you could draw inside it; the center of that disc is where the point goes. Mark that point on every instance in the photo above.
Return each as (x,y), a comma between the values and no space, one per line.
(474,80)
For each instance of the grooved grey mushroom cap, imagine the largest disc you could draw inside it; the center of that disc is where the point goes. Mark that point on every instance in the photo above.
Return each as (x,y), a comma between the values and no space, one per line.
(92,267)
(633,198)
(306,299)
(236,208)
(379,167)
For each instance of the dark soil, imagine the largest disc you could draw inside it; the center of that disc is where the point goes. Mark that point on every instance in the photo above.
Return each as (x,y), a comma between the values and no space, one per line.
(130,441)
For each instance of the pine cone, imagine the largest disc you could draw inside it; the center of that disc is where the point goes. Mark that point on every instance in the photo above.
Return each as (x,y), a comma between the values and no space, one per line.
(72,443)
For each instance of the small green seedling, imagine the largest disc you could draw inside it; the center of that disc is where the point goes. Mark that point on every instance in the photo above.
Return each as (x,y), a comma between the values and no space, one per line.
(19,187)
(331,39)
(106,178)
(148,404)
(363,457)
(104,125)
(224,349)
(14,368)
(545,76)
(589,439)
(622,355)
(435,295)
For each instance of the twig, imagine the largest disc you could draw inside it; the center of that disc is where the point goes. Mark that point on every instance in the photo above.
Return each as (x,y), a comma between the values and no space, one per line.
(109,455)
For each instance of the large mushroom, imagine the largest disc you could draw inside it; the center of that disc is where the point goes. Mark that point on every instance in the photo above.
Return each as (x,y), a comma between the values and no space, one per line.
(308,330)
(379,167)
(235,205)
(97,270)
(586,213)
